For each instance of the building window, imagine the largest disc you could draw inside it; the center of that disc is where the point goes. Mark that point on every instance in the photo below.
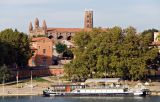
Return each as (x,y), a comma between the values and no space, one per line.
(33,64)
(44,61)
(44,51)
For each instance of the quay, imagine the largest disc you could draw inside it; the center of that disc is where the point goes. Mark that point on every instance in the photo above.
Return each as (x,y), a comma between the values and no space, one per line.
(21,94)
(155,93)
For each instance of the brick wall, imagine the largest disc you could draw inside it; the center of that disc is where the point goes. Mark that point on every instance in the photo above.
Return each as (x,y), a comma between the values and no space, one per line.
(39,72)
(43,52)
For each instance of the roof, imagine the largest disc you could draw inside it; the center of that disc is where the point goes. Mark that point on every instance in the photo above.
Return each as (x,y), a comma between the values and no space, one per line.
(39,38)
(33,48)
(97,80)
(156,43)
(62,30)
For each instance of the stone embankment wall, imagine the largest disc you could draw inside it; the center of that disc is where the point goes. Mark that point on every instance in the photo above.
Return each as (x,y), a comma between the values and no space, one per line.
(25,73)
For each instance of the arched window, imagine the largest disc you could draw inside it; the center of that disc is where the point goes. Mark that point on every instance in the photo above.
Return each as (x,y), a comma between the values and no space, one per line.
(60,37)
(69,37)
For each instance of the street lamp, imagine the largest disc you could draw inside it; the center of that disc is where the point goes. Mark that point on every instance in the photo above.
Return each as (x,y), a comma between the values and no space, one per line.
(17,77)
(3,82)
(31,80)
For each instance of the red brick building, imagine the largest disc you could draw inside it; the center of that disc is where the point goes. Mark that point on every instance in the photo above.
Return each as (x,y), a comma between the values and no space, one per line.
(43,51)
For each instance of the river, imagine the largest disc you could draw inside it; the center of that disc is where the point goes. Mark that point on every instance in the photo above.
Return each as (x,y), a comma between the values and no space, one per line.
(79,99)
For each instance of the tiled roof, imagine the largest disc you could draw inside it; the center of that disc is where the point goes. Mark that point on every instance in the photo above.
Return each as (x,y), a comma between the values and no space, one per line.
(38,38)
(33,48)
(156,43)
(62,30)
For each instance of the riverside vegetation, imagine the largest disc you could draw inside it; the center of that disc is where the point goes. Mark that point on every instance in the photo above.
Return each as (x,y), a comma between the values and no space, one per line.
(15,51)
(99,53)
(114,52)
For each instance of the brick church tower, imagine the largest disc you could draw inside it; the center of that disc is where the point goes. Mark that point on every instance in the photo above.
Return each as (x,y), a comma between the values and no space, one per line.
(88,19)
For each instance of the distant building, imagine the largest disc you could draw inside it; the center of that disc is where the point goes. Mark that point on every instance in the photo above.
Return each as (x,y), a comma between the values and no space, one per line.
(44,47)
(156,41)
(43,51)
(60,33)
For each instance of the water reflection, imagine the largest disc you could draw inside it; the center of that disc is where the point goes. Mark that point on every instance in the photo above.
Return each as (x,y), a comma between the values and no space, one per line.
(79,99)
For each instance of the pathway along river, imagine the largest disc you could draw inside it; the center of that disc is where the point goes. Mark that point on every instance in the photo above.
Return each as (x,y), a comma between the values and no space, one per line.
(79,99)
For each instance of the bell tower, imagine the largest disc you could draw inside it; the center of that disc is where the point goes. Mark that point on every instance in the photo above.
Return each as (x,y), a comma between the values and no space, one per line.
(88,19)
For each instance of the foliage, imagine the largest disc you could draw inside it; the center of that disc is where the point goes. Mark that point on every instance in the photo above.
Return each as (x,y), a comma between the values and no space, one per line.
(39,79)
(149,33)
(110,53)
(60,48)
(68,54)
(15,48)
(5,73)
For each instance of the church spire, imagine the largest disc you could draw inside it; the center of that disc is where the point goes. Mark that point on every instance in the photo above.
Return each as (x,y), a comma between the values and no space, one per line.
(36,23)
(44,25)
(30,26)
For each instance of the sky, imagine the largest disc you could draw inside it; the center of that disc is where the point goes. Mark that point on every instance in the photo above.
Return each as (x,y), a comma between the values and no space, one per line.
(141,14)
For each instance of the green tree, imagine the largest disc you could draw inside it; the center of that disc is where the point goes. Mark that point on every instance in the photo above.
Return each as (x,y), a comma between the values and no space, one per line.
(5,73)
(110,53)
(68,54)
(16,46)
(149,33)
(60,48)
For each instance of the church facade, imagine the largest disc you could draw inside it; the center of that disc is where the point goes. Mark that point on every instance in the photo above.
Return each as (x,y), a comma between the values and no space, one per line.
(60,33)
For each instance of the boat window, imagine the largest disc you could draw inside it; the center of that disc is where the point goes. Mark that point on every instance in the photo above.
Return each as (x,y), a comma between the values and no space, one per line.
(78,90)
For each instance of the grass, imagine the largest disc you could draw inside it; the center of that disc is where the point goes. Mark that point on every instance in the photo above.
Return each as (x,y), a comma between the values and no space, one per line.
(39,79)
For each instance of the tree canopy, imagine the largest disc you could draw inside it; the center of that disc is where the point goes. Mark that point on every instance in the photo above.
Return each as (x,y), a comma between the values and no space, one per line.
(114,52)
(64,50)
(15,48)
(5,73)
(60,48)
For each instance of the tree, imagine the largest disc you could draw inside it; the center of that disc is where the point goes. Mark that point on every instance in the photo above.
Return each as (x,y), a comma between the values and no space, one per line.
(60,48)
(110,53)
(149,33)
(5,73)
(68,54)
(16,46)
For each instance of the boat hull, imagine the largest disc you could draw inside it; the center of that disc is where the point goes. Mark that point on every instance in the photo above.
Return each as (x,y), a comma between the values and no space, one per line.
(66,94)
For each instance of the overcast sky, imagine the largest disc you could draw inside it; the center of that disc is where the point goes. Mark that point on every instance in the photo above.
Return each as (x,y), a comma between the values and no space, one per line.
(141,14)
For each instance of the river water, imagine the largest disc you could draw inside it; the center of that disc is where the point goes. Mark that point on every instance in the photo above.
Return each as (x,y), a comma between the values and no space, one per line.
(79,99)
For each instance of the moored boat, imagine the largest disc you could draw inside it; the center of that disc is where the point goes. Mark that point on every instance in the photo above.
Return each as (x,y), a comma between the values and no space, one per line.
(84,90)
(97,92)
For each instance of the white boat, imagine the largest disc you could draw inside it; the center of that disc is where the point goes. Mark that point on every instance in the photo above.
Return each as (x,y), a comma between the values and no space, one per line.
(84,90)
(105,91)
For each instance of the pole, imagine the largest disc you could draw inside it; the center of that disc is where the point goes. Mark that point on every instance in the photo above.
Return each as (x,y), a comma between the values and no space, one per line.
(17,80)
(105,73)
(31,81)
(3,84)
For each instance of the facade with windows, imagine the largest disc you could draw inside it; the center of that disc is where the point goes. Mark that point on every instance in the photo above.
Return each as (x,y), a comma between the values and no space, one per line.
(42,50)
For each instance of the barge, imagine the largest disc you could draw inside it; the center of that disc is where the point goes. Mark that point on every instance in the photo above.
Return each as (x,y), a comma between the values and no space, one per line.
(85,91)
(97,92)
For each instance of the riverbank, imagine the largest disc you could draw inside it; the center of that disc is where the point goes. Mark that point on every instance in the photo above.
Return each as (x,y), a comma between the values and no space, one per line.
(37,87)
